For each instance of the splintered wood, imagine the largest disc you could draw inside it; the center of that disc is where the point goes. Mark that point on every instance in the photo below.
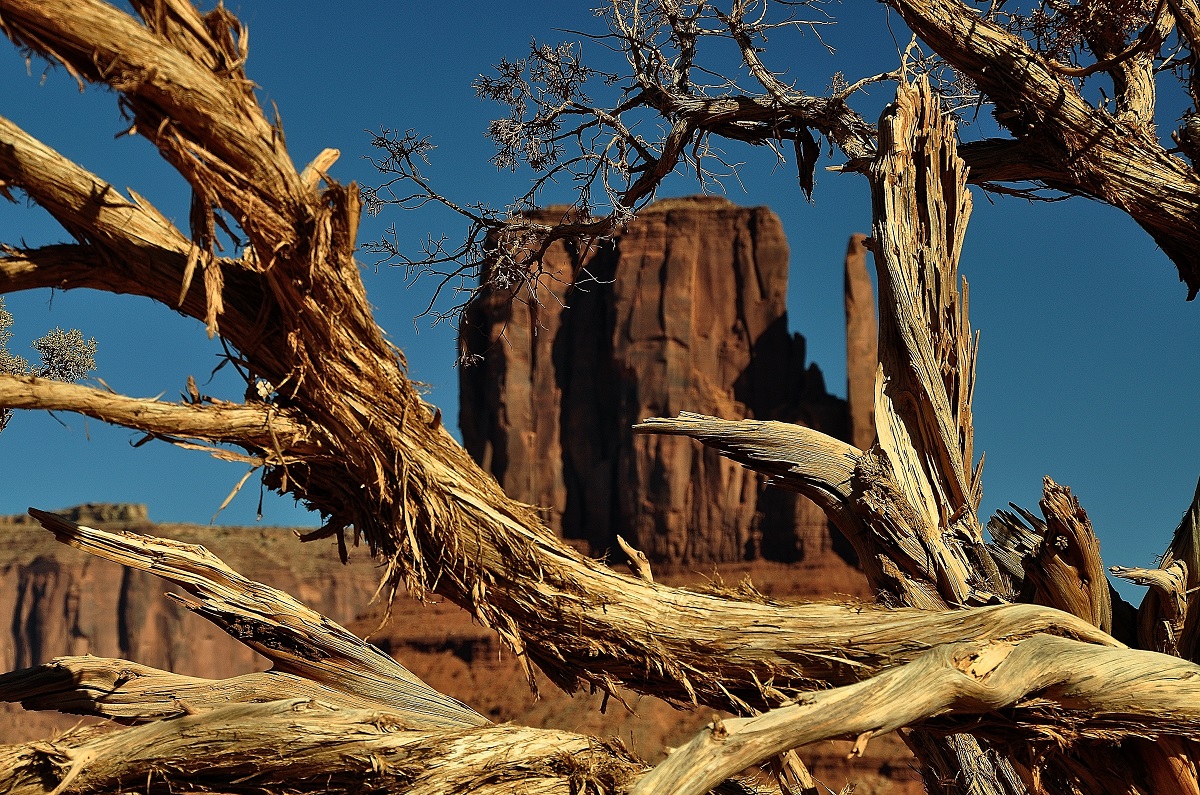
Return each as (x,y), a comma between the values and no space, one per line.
(998,697)
(909,505)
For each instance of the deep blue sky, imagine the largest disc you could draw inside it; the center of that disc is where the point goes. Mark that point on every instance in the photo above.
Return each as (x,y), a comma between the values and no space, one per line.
(1088,367)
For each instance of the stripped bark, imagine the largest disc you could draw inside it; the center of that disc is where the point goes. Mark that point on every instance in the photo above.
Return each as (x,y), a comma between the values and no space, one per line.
(1063,141)
(342,428)
(909,504)
(255,426)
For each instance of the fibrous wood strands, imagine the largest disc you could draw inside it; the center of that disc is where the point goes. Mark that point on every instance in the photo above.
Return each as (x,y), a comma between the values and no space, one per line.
(1017,696)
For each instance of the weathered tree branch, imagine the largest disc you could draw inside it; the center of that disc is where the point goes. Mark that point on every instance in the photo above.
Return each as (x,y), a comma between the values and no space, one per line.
(926,350)
(127,692)
(181,76)
(914,492)
(256,426)
(1116,159)
(1166,609)
(1187,18)
(1169,616)
(1097,692)
(85,205)
(296,639)
(1054,560)
(792,456)
(126,245)
(993,160)
(307,746)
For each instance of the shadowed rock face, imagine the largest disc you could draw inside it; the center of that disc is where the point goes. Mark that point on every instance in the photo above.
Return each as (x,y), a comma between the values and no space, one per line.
(685,311)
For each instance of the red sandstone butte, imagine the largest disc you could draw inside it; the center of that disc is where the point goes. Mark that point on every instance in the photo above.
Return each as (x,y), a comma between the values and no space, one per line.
(684,311)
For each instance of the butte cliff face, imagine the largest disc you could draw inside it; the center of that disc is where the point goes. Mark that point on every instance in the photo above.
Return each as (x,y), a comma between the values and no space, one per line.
(685,311)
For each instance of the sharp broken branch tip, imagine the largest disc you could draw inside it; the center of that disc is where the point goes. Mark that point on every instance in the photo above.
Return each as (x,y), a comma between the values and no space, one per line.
(860,745)
(639,564)
(315,171)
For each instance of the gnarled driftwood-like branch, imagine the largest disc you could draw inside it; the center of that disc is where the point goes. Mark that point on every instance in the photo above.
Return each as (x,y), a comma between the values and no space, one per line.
(296,639)
(373,457)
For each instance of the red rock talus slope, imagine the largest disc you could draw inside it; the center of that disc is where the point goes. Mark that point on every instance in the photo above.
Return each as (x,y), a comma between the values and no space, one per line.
(685,311)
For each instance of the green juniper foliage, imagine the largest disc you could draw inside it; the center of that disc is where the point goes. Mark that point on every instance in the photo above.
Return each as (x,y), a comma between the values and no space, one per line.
(65,356)
(9,362)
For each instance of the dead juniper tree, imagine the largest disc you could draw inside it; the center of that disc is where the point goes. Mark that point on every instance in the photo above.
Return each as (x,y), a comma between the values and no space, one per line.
(1008,664)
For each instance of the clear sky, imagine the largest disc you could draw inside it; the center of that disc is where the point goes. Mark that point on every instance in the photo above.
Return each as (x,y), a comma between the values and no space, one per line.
(1088,365)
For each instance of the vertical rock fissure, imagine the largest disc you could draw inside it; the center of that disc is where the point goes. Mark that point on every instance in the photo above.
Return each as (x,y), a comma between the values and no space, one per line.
(585,377)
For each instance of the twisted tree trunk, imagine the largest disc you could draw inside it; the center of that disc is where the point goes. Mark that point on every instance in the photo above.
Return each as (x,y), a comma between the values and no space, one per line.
(1055,699)
(350,718)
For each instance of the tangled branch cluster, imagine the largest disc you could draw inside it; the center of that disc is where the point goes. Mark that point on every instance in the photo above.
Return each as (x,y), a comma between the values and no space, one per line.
(612,136)
(1069,32)
(536,89)
(510,241)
